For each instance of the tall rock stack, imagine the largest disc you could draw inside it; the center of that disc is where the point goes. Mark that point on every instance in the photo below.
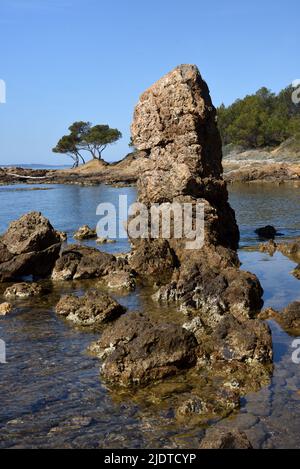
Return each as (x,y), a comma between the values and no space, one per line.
(217,337)
(175,127)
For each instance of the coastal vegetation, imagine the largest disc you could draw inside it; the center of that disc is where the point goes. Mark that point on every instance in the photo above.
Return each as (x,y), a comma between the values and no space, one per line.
(84,137)
(263,119)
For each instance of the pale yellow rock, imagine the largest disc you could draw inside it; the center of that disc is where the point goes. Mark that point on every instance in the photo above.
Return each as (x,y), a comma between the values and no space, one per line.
(5,308)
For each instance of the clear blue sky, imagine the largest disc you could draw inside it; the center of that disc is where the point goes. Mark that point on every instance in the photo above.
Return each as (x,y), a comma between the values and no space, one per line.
(67,60)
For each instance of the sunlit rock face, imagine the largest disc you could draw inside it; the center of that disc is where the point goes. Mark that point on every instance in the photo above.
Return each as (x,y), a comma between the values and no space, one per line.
(175,125)
(30,246)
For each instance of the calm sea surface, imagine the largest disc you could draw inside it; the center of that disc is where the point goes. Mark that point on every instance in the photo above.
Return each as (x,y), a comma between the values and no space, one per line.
(51,392)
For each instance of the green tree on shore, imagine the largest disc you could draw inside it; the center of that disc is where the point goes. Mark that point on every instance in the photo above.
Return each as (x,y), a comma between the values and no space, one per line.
(84,137)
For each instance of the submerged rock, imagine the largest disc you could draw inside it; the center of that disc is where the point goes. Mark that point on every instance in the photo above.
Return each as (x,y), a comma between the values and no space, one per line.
(222,439)
(23,290)
(219,403)
(91,310)
(5,308)
(137,351)
(266,232)
(29,247)
(85,232)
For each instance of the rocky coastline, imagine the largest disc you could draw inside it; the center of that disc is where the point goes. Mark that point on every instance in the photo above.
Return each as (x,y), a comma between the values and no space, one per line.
(239,166)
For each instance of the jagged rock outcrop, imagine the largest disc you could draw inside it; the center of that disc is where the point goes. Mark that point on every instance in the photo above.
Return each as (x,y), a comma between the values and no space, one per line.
(30,246)
(91,310)
(175,126)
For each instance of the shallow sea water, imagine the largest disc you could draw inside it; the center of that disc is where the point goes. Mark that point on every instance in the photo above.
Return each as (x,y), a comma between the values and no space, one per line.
(50,388)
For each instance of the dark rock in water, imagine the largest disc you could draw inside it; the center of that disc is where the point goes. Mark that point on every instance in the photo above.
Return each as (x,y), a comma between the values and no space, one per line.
(175,125)
(81,262)
(91,310)
(85,232)
(29,247)
(266,232)
(137,351)
(222,439)
(23,290)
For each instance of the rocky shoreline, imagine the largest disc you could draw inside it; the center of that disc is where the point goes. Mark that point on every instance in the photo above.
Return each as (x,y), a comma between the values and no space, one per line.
(240,166)
(278,165)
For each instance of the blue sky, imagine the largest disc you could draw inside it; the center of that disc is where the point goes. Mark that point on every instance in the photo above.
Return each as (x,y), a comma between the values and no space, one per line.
(67,60)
